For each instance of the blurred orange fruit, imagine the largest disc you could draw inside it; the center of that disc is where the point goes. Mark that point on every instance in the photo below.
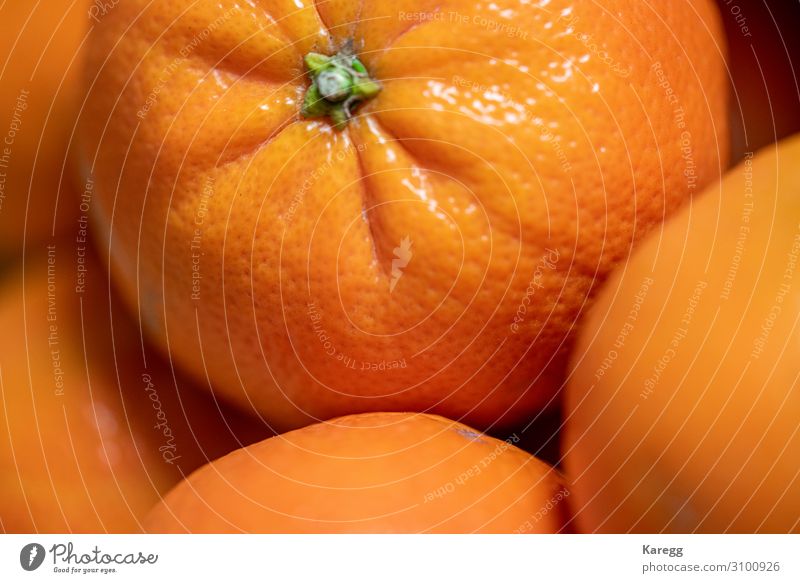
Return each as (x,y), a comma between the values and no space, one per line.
(432,255)
(39,101)
(682,410)
(379,472)
(91,434)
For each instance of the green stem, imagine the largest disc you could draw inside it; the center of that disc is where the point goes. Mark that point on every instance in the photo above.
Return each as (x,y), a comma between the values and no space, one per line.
(338,84)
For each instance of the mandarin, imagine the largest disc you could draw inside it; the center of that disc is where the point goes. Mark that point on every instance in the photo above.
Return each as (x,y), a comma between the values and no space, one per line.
(370,473)
(40,63)
(682,410)
(420,227)
(92,429)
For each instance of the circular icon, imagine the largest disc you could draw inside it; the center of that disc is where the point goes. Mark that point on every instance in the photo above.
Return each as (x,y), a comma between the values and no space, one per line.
(31,556)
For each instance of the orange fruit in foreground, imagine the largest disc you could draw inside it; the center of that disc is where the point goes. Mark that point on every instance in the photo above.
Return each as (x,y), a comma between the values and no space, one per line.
(90,435)
(39,101)
(378,472)
(682,411)
(433,252)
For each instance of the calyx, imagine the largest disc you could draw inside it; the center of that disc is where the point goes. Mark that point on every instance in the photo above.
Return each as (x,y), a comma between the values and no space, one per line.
(338,84)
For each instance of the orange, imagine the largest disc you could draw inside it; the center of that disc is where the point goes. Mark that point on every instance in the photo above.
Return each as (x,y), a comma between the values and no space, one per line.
(433,252)
(682,410)
(376,473)
(39,75)
(92,430)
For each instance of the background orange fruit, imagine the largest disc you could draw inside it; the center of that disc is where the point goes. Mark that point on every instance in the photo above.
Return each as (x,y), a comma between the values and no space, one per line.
(682,410)
(380,472)
(92,429)
(39,74)
(435,254)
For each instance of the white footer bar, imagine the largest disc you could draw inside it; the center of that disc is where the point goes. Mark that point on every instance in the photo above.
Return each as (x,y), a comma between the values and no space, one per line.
(406,559)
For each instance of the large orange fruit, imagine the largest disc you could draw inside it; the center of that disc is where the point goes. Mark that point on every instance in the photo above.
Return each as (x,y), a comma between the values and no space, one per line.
(374,472)
(682,411)
(92,430)
(39,75)
(431,253)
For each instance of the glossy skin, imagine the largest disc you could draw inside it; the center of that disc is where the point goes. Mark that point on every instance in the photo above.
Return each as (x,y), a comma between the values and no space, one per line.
(502,177)
(40,63)
(374,473)
(84,443)
(693,425)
